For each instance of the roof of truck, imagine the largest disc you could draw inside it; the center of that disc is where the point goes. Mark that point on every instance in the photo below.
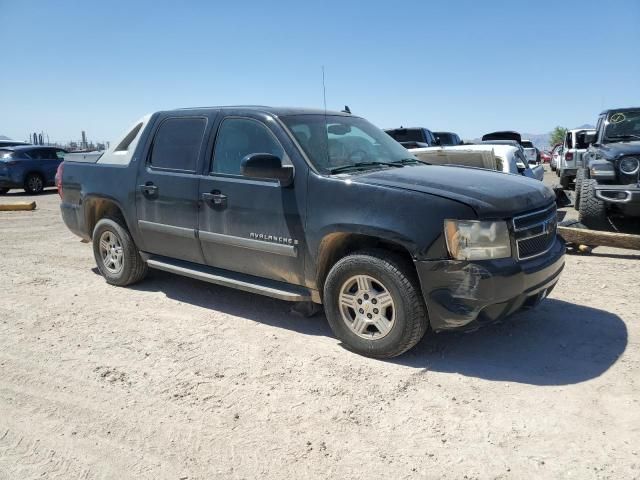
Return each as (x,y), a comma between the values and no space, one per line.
(626,109)
(277,111)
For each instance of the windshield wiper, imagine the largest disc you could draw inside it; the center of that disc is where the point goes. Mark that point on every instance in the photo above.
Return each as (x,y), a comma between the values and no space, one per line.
(406,161)
(628,135)
(358,165)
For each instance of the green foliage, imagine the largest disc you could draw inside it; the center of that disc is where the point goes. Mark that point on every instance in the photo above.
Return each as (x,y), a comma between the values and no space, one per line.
(557,136)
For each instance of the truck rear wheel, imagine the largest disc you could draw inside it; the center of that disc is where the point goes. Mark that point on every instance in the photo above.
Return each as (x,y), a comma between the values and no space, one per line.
(578,188)
(374,304)
(116,254)
(593,211)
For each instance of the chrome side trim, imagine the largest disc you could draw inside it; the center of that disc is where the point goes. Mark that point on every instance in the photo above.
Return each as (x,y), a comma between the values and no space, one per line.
(167,229)
(249,243)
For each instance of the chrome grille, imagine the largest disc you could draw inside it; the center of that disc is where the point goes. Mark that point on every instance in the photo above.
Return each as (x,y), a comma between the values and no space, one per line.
(535,232)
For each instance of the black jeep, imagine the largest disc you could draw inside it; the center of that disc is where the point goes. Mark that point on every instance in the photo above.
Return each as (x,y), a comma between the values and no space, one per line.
(608,181)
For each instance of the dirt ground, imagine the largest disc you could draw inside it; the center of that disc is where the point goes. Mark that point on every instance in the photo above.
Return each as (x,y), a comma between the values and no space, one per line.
(179,379)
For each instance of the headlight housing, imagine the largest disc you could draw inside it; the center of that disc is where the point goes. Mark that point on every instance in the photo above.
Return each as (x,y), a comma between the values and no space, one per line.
(477,239)
(602,170)
(629,165)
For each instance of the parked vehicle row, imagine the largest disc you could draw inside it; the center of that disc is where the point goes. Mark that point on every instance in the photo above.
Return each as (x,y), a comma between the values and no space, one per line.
(314,206)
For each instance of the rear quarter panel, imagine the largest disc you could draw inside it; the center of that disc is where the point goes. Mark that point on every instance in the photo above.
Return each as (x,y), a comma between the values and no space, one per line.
(85,182)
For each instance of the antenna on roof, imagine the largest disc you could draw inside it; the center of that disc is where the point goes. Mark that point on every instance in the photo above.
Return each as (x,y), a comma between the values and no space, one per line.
(346,109)
(324,92)
(326,127)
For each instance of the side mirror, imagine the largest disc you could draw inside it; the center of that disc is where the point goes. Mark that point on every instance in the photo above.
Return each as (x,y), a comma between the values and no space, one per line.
(590,138)
(266,166)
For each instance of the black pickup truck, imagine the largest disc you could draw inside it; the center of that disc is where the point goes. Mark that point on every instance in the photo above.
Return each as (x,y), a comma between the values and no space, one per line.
(314,206)
(608,180)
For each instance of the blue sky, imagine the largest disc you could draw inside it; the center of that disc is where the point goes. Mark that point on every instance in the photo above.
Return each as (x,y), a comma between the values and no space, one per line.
(465,66)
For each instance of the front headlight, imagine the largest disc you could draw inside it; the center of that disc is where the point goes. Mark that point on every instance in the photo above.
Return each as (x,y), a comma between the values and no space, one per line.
(477,240)
(629,165)
(602,170)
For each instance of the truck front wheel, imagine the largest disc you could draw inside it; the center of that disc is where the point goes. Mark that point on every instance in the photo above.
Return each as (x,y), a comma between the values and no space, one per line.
(593,211)
(374,304)
(116,254)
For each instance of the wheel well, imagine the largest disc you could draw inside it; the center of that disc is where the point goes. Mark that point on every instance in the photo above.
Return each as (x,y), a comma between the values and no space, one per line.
(98,208)
(33,172)
(338,245)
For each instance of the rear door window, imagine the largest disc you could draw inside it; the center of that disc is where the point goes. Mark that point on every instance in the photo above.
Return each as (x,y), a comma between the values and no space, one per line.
(177,144)
(38,154)
(569,140)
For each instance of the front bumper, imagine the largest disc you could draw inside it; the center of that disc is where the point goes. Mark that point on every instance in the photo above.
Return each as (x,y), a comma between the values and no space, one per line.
(621,194)
(466,295)
(6,181)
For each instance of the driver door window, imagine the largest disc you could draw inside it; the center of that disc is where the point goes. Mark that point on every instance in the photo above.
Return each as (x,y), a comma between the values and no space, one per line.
(239,137)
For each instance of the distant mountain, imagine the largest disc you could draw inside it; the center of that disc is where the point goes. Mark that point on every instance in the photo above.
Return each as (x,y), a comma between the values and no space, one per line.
(4,137)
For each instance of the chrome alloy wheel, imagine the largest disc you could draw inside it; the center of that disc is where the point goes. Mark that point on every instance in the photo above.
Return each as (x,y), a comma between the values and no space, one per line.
(366,307)
(111,252)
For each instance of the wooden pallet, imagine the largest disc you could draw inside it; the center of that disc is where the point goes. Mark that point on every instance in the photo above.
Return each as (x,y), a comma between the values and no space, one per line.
(596,238)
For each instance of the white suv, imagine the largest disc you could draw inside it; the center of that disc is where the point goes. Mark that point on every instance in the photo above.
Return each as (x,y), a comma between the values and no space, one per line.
(570,160)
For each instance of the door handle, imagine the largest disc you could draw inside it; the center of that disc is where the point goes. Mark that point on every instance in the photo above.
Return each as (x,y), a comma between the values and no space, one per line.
(216,198)
(149,189)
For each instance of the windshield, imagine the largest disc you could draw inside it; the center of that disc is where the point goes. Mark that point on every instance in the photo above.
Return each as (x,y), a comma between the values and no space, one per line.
(335,141)
(623,126)
(407,135)
(446,138)
(527,144)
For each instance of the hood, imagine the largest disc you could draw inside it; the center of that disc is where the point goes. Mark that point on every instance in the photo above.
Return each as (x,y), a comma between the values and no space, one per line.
(502,136)
(612,151)
(491,194)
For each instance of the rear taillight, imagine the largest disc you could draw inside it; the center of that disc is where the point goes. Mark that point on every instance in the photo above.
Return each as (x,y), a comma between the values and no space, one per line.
(568,156)
(59,178)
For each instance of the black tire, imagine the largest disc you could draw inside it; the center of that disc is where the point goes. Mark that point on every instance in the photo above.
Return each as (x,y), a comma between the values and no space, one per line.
(34,184)
(398,277)
(565,182)
(578,188)
(593,211)
(3,191)
(133,268)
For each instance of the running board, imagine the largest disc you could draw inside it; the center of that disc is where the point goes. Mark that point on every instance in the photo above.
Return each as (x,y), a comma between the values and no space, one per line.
(239,281)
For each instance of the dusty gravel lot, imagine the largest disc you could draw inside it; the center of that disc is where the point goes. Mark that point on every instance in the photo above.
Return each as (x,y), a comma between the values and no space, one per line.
(179,379)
